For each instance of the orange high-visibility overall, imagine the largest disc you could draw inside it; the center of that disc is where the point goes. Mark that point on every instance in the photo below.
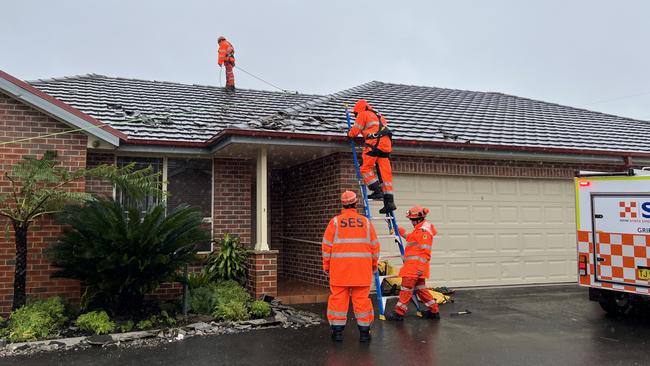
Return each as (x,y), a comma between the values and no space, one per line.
(350,254)
(227,57)
(415,270)
(367,124)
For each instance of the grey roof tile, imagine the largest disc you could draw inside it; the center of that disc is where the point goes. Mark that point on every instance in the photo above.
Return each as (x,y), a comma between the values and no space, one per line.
(166,111)
(178,112)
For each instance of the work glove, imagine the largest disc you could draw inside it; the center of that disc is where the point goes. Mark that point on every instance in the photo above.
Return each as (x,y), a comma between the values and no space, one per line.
(402,232)
(374,269)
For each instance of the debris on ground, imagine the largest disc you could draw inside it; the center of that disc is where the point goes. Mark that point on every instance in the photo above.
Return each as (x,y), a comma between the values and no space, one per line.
(283,316)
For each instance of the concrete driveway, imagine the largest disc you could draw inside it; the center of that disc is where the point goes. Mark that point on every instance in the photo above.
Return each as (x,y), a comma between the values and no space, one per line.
(553,325)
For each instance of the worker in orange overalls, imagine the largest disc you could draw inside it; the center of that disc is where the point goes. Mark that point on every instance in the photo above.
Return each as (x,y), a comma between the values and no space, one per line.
(227,57)
(350,254)
(378,146)
(415,270)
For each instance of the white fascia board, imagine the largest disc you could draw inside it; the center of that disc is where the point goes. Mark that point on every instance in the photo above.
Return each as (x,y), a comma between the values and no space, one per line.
(56,112)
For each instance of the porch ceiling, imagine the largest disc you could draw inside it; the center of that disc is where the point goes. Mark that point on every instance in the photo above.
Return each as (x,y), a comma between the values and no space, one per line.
(279,156)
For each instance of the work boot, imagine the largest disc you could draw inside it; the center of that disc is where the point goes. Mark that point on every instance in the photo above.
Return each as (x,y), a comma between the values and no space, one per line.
(389,204)
(394,316)
(431,315)
(364,334)
(337,333)
(377,193)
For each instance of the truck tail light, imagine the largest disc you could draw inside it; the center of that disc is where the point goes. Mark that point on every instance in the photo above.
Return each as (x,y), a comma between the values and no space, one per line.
(582,265)
(584,183)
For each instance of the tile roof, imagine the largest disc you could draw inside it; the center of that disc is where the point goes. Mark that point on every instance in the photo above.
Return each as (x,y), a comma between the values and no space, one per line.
(447,115)
(178,112)
(154,110)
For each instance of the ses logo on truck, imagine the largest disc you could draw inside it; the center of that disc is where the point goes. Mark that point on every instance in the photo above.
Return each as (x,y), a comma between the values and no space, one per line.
(630,210)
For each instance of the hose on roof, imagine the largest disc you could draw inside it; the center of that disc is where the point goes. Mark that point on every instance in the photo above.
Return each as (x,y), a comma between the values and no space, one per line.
(260,79)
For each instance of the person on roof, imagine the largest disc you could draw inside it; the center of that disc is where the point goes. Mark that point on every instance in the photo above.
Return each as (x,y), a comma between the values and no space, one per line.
(350,255)
(227,58)
(415,270)
(378,146)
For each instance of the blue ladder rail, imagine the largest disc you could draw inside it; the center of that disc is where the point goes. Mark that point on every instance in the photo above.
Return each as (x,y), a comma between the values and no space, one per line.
(392,227)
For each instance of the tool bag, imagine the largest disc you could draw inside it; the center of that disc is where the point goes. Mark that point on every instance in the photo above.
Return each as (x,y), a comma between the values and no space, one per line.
(389,286)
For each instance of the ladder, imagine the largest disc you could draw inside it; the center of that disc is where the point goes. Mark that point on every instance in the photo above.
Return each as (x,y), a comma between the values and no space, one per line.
(393,230)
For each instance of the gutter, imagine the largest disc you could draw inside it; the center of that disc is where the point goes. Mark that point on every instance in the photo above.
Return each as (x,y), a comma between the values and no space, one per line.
(414,147)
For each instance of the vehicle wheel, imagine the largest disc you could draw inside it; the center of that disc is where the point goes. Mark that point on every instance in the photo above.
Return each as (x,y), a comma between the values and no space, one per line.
(615,303)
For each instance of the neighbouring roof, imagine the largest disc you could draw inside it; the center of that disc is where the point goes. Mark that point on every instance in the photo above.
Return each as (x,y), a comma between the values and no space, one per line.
(193,113)
(154,110)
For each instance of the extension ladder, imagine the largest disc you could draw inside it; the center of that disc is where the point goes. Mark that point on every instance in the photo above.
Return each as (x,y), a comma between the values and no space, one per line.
(393,230)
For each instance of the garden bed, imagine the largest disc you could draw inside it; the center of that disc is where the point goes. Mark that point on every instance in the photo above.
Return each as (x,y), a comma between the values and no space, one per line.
(194,325)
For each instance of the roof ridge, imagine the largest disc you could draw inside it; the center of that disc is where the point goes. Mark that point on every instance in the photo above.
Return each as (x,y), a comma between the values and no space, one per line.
(301,107)
(92,75)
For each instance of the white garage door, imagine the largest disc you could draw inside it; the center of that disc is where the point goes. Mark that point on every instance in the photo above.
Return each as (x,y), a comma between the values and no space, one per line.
(494,231)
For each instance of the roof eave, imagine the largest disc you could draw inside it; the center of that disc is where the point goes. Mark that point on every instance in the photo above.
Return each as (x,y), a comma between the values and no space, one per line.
(59,110)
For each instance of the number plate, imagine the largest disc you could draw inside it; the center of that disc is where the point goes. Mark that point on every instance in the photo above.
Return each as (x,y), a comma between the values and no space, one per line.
(643,273)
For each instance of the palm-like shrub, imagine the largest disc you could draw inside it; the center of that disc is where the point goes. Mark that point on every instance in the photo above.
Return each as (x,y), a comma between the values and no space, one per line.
(228,263)
(122,254)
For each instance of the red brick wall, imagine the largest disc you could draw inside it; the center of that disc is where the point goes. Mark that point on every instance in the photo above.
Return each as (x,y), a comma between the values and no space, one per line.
(233,205)
(311,193)
(262,271)
(276,216)
(21,121)
(99,186)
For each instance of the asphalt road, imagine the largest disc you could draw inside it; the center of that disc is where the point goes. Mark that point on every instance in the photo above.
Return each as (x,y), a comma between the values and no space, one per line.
(554,325)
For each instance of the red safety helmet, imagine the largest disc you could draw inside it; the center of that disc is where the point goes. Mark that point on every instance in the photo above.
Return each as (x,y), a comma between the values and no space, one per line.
(417,212)
(361,105)
(348,198)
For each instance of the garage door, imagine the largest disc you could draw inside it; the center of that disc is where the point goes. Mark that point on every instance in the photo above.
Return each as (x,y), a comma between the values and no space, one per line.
(494,231)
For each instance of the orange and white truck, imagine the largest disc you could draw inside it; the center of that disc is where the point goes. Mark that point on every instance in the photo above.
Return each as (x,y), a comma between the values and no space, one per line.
(613,224)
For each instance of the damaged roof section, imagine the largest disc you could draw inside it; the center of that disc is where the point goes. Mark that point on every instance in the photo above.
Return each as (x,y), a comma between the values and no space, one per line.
(153,110)
(163,111)
(418,113)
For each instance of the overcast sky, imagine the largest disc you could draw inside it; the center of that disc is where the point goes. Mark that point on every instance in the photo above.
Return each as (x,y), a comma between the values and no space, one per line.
(587,53)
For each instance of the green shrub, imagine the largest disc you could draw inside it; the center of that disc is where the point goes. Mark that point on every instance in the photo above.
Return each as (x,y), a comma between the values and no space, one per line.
(37,320)
(199,279)
(126,326)
(228,262)
(122,253)
(228,291)
(144,324)
(165,319)
(96,322)
(203,300)
(260,309)
(232,310)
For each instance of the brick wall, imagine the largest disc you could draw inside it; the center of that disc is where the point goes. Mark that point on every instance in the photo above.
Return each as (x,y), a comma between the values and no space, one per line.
(21,121)
(276,216)
(262,273)
(311,193)
(99,186)
(233,204)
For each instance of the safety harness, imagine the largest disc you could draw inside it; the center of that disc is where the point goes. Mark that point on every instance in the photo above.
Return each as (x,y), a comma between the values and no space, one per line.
(383,131)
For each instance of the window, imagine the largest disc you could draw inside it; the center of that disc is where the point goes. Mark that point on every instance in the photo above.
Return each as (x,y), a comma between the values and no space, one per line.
(140,163)
(189,181)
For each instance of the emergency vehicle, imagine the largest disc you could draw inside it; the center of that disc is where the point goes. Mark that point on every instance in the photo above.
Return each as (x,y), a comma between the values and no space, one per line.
(613,237)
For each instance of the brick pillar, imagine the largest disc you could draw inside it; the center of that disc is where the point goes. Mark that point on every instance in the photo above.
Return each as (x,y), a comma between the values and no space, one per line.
(262,273)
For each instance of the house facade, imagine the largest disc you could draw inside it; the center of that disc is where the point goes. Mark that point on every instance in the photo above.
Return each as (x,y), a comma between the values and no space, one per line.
(495,170)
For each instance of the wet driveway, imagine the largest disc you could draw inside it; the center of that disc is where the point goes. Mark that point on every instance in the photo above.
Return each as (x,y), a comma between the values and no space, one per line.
(554,325)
